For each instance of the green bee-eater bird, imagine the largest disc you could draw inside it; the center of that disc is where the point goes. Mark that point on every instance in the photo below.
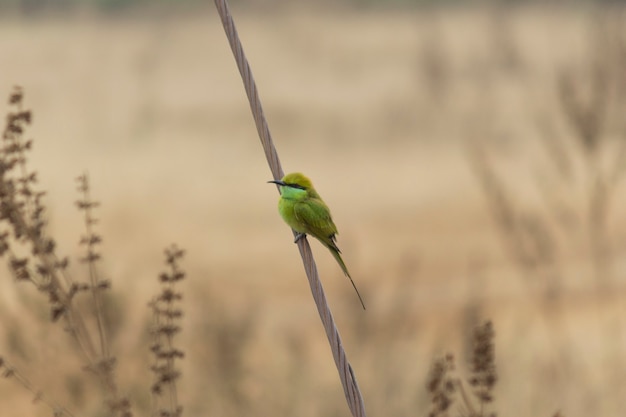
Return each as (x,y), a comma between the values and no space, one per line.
(304,211)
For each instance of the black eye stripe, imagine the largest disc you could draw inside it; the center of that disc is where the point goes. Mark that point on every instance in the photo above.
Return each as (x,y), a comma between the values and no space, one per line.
(298,186)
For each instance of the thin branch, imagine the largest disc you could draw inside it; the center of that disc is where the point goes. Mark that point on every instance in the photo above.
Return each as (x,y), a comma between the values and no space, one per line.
(91,240)
(9,371)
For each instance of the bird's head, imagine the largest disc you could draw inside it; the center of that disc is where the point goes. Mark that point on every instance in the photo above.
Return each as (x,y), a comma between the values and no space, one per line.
(295,180)
(294,183)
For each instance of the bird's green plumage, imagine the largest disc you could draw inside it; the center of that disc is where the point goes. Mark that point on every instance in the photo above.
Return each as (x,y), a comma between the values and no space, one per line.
(304,211)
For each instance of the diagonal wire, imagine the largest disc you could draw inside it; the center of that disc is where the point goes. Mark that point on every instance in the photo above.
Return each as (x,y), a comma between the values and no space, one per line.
(348,380)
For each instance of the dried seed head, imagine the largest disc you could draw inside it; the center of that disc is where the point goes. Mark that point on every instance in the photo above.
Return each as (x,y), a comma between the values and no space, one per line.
(15,98)
(483,369)
(441,386)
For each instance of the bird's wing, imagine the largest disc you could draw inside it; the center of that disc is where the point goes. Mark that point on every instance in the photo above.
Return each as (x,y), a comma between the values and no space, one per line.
(316,215)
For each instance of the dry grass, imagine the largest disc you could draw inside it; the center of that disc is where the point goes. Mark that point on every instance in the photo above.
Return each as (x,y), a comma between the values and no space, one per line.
(154,110)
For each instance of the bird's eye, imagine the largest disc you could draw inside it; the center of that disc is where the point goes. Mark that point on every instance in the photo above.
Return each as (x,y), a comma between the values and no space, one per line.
(298,186)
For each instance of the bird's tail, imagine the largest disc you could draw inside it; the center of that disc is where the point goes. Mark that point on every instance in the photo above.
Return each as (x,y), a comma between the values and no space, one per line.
(335,251)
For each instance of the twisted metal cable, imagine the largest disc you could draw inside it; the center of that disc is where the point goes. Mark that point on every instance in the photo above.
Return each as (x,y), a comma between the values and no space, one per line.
(348,380)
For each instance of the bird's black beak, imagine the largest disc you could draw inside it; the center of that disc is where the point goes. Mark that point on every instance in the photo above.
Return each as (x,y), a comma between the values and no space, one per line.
(277,182)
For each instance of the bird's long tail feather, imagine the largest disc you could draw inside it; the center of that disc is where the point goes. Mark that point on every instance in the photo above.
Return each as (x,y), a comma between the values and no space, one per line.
(337,256)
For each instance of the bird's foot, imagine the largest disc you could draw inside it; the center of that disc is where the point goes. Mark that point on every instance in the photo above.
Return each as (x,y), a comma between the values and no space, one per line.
(299,236)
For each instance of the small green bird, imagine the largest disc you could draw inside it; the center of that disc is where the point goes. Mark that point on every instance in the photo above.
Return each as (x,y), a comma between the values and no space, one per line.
(304,211)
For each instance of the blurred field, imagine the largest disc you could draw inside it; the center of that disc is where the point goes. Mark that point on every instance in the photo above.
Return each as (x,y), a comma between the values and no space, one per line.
(382,110)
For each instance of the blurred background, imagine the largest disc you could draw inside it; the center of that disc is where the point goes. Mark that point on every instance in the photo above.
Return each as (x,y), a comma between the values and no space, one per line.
(472,153)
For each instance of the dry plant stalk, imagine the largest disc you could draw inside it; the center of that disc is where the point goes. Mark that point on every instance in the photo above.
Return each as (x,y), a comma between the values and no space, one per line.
(590,98)
(527,237)
(167,314)
(483,367)
(348,380)
(22,214)
(7,370)
(443,385)
(586,117)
